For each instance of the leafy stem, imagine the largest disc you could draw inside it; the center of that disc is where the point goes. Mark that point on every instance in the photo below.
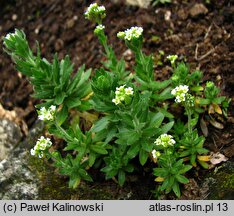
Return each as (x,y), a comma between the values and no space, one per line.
(189,113)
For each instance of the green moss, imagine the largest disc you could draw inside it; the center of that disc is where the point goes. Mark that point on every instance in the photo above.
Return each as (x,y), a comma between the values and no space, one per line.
(54,186)
(222,182)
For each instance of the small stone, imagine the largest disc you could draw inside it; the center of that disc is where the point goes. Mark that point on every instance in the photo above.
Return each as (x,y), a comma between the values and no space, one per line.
(70,23)
(14,17)
(59,44)
(198,9)
(139,3)
(10,135)
(128,54)
(183,14)
(167,15)
(37,31)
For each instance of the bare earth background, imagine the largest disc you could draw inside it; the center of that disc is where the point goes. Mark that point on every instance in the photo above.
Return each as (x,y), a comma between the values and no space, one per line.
(200,33)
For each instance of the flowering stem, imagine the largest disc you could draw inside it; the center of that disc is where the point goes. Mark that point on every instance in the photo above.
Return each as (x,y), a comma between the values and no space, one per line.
(189,113)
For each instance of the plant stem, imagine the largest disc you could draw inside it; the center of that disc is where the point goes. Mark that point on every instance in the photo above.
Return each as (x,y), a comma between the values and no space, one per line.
(188,110)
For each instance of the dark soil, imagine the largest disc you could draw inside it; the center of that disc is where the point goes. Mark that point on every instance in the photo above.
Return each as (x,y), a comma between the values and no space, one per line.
(205,40)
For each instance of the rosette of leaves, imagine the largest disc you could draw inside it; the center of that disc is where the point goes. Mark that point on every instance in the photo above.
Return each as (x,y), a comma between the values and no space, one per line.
(83,144)
(212,97)
(191,146)
(171,173)
(74,168)
(134,127)
(103,86)
(117,164)
(52,82)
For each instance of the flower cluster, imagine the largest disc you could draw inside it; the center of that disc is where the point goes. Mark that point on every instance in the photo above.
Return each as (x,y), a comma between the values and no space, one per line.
(130,34)
(95,13)
(172,58)
(99,29)
(121,94)
(165,140)
(180,92)
(42,144)
(47,114)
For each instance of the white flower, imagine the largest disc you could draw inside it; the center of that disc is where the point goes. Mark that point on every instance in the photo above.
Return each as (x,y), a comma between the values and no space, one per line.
(165,140)
(180,92)
(101,9)
(121,93)
(132,33)
(155,154)
(91,7)
(47,114)
(129,91)
(10,37)
(94,11)
(41,145)
(172,58)
(121,88)
(116,101)
(99,28)
(32,152)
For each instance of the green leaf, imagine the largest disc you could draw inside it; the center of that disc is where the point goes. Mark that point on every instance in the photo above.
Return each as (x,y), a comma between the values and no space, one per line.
(59,98)
(85,76)
(182,179)
(72,102)
(98,149)
(71,146)
(84,175)
(150,132)
(185,153)
(143,156)
(165,128)
(129,168)
(203,164)
(161,172)
(176,189)
(74,182)
(129,136)
(193,159)
(156,120)
(55,70)
(219,100)
(92,158)
(165,112)
(202,150)
(197,88)
(101,124)
(121,177)
(62,115)
(66,68)
(165,185)
(111,133)
(146,145)
(133,150)
(203,101)
(185,169)
(178,163)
